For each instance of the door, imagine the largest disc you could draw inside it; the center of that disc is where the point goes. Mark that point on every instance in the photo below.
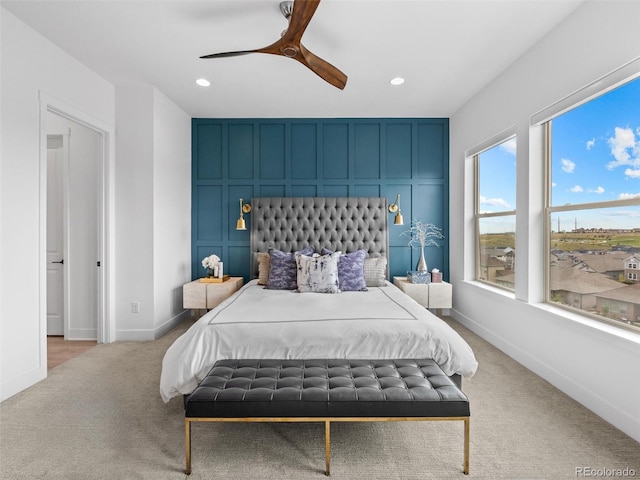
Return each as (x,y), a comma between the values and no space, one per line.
(55,235)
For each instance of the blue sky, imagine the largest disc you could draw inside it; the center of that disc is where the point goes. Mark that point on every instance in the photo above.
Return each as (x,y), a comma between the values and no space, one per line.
(596,149)
(498,186)
(595,158)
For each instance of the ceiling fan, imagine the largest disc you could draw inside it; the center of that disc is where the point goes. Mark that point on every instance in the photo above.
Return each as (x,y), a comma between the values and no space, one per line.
(298,13)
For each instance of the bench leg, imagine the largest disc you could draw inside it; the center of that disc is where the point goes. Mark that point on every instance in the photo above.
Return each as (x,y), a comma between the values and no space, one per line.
(466,446)
(327,448)
(187,446)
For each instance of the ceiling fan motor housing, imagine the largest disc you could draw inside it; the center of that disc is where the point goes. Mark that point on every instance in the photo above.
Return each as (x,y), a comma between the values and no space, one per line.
(286,8)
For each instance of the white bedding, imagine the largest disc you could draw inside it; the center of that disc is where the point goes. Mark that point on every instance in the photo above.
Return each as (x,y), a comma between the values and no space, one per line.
(259,323)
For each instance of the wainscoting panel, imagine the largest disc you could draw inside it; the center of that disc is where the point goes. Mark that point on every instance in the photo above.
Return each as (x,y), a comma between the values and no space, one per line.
(243,158)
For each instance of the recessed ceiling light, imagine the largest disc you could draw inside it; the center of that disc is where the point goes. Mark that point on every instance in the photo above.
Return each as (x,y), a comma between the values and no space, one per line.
(203,82)
(397,81)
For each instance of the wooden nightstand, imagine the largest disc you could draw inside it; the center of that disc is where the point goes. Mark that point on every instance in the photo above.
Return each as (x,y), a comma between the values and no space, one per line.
(429,295)
(198,295)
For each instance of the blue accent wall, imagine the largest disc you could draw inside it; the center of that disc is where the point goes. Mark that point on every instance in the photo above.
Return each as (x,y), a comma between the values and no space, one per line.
(368,157)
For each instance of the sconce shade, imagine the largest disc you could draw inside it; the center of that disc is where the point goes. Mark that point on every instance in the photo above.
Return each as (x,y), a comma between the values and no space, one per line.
(244,208)
(398,220)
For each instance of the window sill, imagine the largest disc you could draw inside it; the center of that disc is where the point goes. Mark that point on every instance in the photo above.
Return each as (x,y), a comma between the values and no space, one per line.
(487,287)
(591,323)
(619,332)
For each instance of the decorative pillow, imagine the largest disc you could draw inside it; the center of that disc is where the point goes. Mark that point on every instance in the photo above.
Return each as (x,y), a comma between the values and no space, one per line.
(318,274)
(351,270)
(263,268)
(282,269)
(375,271)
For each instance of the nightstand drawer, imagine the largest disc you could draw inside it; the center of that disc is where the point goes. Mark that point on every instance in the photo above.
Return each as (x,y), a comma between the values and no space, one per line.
(199,295)
(429,295)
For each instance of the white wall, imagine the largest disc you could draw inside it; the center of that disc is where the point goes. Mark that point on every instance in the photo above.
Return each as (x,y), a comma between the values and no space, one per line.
(172,210)
(153,204)
(150,240)
(134,212)
(594,363)
(31,66)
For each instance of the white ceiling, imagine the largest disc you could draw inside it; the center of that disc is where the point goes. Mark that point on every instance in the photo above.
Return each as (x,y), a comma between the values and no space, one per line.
(447,51)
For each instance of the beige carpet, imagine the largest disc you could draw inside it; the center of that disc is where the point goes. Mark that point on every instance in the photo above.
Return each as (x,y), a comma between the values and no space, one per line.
(100,416)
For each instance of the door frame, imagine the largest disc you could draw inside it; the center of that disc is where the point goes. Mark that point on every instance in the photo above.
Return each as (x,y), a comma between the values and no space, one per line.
(106,224)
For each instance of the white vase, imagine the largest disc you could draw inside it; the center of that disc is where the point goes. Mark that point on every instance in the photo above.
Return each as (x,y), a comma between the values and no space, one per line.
(422,263)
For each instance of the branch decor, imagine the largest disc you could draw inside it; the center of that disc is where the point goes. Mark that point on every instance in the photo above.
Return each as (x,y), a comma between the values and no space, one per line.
(423,235)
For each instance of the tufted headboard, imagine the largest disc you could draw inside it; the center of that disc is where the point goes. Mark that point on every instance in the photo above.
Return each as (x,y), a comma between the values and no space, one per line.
(338,223)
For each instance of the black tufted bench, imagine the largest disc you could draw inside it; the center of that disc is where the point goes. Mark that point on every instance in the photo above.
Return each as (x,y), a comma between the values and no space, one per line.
(325,391)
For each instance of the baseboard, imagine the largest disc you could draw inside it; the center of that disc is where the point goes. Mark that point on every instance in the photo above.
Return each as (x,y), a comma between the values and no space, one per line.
(622,420)
(82,334)
(22,382)
(169,324)
(147,335)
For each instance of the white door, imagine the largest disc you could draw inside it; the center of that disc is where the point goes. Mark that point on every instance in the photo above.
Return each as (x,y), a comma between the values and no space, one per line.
(55,235)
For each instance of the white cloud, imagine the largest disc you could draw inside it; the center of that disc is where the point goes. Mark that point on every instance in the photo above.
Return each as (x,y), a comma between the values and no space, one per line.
(624,148)
(554,184)
(567,165)
(576,189)
(627,196)
(494,202)
(596,190)
(591,143)
(632,172)
(509,146)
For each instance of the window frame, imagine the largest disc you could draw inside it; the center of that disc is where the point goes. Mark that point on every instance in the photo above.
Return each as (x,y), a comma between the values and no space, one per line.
(549,210)
(478,216)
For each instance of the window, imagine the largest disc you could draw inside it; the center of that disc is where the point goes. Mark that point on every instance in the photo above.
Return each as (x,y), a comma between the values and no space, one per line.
(593,206)
(495,214)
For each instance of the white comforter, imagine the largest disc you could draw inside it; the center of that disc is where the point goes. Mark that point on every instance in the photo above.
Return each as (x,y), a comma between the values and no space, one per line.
(259,323)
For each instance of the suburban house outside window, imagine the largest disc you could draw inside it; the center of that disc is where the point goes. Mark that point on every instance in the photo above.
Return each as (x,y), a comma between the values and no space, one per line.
(495,214)
(593,207)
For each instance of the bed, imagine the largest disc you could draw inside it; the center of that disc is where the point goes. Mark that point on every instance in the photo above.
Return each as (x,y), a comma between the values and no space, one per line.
(377,322)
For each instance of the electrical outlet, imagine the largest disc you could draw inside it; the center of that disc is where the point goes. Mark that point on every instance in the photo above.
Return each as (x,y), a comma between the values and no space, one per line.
(135,307)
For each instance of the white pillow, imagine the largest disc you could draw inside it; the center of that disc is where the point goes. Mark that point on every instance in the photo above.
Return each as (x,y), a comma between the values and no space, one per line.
(375,271)
(318,274)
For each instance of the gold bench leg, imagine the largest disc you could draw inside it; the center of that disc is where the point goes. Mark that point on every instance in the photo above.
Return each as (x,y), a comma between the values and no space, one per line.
(327,448)
(187,446)
(466,446)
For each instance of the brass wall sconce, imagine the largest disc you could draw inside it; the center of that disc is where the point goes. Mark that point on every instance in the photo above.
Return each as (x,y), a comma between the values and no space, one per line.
(395,208)
(244,208)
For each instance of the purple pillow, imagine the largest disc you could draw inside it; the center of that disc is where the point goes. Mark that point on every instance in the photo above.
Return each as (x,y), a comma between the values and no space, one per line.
(283,274)
(351,271)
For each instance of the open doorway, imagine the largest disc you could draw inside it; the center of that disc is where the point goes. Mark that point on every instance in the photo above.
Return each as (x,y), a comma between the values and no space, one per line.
(74,186)
(76,166)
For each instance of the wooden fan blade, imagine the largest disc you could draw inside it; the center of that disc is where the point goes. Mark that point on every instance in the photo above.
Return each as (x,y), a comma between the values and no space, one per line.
(229,54)
(289,45)
(322,68)
(301,15)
